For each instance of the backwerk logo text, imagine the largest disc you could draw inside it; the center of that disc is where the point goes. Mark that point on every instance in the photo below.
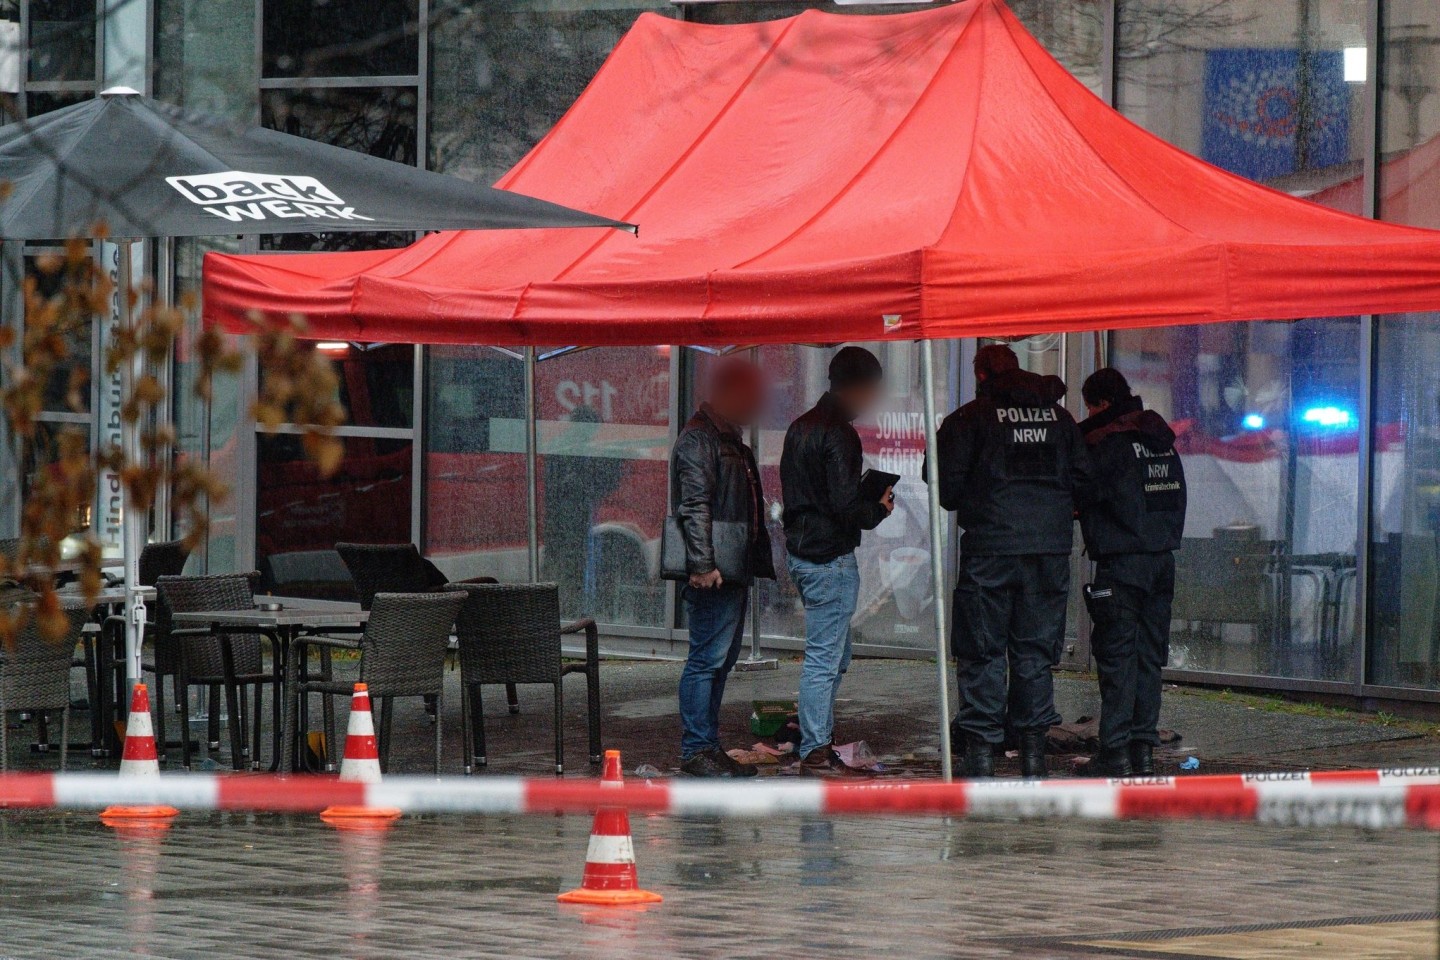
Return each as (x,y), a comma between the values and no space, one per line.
(235,195)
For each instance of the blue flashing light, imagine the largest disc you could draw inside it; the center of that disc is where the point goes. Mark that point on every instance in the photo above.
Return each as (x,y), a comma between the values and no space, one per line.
(1333,418)
(1253,421)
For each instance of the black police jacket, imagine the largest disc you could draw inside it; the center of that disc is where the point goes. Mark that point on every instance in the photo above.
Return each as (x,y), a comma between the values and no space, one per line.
(713,476)
(820,472)
(1013,466)
(1138,501)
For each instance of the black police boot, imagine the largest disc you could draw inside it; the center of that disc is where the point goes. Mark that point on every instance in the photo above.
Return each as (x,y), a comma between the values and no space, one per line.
(1108,763)
(1142,759)
(979,758)
(1032,755)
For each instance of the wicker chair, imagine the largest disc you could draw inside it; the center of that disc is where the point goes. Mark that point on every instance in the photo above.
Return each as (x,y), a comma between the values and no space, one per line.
(197,657)
(165,559)
(511,633)
(402,654)
(35,676)
(399,568)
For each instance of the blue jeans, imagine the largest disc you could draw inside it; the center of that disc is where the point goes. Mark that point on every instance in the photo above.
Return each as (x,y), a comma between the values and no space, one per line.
(717,627)
(830,592)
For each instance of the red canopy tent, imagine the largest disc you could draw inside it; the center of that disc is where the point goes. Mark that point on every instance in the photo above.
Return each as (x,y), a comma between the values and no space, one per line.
(804,179)
(835,178)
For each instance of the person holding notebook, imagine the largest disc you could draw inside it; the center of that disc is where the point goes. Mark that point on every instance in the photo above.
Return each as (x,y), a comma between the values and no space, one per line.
(820,473)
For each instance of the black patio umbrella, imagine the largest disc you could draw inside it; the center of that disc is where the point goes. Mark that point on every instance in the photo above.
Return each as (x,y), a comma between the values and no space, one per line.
(147,169)
(140,168)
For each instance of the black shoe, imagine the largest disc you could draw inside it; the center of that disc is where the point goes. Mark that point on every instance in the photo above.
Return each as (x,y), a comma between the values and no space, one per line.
(707,763)
(1142,759)
(737,769)
(1108,764)
(1032,755)
(979,758)
(825,762)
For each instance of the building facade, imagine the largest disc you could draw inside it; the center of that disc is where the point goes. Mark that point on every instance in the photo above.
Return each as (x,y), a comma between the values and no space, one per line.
(1312,558)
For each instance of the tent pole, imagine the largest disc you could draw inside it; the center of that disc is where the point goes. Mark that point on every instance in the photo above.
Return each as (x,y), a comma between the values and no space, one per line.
(532,474)
(134,533)
(937,559)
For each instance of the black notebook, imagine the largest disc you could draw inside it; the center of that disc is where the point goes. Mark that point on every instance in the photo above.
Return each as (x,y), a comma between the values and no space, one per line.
(874,483)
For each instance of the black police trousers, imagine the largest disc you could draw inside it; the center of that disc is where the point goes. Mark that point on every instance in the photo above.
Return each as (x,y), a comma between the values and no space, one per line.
(1009,616)
(1129,603)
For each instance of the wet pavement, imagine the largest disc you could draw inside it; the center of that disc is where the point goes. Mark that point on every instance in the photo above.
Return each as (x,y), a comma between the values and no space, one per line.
(233,886)
(257,886)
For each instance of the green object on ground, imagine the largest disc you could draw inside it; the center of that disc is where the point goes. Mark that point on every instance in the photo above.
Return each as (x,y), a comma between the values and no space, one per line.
(768,716)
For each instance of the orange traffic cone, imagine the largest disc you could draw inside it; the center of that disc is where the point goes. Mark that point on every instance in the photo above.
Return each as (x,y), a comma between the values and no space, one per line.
(138,759)
(610,876)
(360,764)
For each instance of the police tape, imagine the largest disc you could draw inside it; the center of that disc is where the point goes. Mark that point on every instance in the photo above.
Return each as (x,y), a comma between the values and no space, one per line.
(1375,799)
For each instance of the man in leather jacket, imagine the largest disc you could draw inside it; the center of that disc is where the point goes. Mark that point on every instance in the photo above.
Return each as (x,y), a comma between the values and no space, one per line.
(820,472)
(1132,528)
(714,479)
(1012,463)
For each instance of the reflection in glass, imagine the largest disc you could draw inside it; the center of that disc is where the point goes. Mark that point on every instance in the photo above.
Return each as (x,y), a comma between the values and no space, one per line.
(476,517)
(341,38)
(366,500)
(68,389)
(604,449)
(501,77)
(1258,87)
(62,40)
(1404,639)
(895,582)
(1267,418)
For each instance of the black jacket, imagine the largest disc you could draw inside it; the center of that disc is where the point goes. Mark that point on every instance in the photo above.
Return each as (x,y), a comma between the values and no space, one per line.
(820,473)
(1138,504)
(1012,466)
(713,476)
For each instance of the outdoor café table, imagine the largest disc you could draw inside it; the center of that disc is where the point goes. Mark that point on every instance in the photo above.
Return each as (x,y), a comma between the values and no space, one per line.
(296,618)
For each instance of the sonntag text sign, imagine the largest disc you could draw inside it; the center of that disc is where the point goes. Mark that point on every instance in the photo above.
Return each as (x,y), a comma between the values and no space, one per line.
(238,196)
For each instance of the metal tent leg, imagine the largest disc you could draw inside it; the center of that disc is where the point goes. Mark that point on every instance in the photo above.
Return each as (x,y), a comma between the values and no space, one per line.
(937,560)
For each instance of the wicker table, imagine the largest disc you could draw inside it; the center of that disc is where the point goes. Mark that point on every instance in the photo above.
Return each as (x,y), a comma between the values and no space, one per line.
(295,619)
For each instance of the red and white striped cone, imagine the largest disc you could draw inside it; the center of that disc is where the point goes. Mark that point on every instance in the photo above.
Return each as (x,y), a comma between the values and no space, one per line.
(139,759)
(610,876)
(360,764)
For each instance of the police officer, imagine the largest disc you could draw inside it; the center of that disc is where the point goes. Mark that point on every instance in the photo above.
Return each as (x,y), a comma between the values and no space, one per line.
(1132,528)
(1011,463)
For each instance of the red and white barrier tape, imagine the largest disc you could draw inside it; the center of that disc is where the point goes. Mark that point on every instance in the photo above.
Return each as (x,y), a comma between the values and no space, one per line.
(1372,799)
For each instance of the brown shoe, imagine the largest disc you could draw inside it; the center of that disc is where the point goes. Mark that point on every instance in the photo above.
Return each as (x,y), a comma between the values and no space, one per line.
(825,762)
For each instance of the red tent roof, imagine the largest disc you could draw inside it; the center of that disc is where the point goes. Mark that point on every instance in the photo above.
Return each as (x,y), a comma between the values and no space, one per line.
(830,178)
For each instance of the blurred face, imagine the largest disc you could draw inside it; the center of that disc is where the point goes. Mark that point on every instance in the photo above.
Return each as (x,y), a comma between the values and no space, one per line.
(860,398)
(1094,408)
(739,393)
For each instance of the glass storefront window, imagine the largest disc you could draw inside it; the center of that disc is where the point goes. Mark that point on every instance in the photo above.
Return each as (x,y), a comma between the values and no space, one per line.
(366,500)
(68,389)
(1267,418)
(341,38)
(1404,635)
(62,40)
(502,74)
(476,513)
(1270,89)
(896,588)
(604,427)
(205,56)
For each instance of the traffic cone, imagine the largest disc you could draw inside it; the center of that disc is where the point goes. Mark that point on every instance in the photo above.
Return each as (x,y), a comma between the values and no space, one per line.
(610,877)
(360,764)
(138,759)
